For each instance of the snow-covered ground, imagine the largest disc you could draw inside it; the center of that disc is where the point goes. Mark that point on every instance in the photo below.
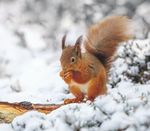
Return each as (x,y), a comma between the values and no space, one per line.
(29,67)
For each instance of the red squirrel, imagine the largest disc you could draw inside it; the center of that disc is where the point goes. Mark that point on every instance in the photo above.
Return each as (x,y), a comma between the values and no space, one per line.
(86,73)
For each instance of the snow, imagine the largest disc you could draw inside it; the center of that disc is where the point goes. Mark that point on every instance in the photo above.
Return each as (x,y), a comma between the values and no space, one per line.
(116,110)
(29,68)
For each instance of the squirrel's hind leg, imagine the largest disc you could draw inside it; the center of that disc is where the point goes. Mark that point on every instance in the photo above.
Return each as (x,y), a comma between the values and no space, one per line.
(97,87)
(79,96)
(93,90)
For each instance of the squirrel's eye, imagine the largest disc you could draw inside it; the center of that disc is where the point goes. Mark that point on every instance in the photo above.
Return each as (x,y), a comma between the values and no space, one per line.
(72,59)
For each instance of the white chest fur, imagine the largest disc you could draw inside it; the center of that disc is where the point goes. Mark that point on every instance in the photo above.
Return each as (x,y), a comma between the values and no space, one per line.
(83,87)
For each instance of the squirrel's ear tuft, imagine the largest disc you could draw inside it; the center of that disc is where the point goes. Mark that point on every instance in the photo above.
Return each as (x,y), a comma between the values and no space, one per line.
(63,41)
(78,46)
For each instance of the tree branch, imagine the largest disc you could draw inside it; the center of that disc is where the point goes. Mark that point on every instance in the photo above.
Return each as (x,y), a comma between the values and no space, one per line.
(8,111)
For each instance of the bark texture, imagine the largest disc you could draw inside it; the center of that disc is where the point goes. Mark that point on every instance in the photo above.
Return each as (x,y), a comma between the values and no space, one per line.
(8,111)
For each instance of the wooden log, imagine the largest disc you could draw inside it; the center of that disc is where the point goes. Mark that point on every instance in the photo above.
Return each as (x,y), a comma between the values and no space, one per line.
(8,111)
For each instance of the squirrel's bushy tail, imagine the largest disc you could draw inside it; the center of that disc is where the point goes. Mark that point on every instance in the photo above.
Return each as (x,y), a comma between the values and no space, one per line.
(105,36)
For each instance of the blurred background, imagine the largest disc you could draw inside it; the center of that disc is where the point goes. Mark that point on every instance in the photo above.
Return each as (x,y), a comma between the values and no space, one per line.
(40,24)
(30,43)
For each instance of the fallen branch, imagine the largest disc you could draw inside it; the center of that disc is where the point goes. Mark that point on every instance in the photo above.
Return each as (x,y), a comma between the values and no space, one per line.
(8,111)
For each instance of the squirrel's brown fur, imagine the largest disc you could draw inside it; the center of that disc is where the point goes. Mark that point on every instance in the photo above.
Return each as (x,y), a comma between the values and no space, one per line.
(105,36)
(86,73)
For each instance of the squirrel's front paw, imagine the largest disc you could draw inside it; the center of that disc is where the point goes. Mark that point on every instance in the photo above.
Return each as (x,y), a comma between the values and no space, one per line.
(61,73)
(67,77)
